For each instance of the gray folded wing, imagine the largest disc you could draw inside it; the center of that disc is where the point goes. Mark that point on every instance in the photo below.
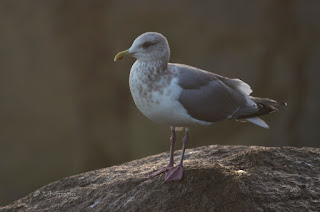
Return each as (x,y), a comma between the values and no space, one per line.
(210,97)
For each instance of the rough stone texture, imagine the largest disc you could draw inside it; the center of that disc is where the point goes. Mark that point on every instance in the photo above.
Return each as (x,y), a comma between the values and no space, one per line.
(63,100)
(216,178)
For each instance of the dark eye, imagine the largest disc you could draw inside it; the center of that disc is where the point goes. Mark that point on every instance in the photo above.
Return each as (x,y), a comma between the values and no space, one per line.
(147,44)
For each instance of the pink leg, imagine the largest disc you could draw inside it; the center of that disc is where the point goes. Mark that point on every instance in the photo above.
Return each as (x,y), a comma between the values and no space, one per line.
(171,162)
(176,173)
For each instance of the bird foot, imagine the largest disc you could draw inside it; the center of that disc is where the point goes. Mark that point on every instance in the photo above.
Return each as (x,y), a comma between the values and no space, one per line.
(162,170)
(174,173)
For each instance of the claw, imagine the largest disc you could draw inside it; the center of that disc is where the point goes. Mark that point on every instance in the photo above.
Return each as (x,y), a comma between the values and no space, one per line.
(160,171)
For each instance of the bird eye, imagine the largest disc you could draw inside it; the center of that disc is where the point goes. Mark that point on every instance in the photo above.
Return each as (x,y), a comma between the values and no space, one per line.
(147,44)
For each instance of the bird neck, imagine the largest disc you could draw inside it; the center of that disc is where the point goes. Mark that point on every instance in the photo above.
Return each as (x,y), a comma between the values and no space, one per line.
(156,65)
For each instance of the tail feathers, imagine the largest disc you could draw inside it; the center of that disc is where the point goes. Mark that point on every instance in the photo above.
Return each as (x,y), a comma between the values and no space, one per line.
(258,121)
(260,110)
(269,102)
(264,106)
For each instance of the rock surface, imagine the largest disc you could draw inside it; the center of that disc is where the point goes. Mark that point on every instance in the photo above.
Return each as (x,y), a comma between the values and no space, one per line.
(216,178)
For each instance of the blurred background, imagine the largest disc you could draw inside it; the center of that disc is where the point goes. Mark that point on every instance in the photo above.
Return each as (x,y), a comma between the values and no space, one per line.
(66,107)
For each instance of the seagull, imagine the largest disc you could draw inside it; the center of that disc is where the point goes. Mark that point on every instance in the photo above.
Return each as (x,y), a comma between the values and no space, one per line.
(183,96)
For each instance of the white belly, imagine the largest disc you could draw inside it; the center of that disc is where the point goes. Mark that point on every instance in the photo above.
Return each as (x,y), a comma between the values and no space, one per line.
(161,105)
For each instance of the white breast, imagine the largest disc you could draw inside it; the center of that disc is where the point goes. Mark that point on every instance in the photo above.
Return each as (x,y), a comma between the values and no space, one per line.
(159,100)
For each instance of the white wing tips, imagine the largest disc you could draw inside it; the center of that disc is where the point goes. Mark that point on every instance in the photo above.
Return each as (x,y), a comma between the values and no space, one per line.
(242,86)
(258,121)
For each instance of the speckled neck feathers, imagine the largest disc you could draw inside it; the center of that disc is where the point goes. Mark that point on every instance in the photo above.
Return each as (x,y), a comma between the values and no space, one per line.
(152,76)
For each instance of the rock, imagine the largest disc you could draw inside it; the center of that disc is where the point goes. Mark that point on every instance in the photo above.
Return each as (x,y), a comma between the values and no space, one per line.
(216,178)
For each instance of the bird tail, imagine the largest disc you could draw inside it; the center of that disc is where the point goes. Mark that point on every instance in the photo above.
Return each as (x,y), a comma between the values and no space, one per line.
(264,105)
(258,121)
(267,101)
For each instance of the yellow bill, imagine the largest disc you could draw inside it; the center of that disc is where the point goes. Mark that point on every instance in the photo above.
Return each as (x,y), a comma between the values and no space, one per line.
(122,54)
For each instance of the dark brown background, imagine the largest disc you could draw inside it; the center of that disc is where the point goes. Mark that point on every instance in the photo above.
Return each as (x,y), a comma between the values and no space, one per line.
(66,106)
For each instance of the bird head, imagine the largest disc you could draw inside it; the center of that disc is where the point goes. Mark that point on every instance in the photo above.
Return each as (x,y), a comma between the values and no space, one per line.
(150,46)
